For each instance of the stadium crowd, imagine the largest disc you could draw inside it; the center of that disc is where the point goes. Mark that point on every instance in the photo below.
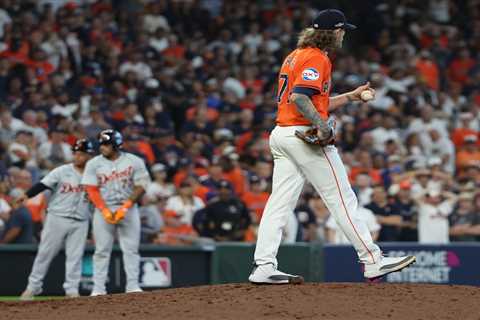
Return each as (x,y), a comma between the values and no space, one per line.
(191,85)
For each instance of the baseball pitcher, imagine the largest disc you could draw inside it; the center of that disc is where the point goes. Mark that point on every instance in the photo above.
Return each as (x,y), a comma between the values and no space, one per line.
(302,148)
(66,224)
(114,181)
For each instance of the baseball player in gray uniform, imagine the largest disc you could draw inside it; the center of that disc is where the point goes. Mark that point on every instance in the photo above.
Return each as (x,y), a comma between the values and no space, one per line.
(66,224)
(115,181)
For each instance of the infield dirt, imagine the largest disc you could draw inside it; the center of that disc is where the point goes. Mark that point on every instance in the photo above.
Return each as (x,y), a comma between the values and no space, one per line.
(356,301)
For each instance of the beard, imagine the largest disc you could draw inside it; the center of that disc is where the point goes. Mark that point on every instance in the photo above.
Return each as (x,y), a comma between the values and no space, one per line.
(339,43)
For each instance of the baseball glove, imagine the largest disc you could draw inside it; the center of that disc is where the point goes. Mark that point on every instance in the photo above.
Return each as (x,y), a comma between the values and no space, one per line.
(311,137)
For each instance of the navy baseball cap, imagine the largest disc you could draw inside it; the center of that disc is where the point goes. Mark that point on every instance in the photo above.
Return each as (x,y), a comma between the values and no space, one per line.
(331,19)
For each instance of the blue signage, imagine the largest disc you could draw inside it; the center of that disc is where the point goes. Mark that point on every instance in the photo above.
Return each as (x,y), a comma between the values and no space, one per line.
(442,264)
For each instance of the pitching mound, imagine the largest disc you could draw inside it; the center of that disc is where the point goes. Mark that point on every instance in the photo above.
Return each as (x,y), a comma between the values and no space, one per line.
(245,301)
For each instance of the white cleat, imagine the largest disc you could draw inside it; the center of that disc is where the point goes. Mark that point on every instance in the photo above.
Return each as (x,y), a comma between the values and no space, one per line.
(97,293)
(387,265)
(134,290)
(29,295)
(72,295)
(268,274)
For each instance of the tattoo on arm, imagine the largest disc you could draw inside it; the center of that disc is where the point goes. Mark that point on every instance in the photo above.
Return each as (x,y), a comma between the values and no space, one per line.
(307,109)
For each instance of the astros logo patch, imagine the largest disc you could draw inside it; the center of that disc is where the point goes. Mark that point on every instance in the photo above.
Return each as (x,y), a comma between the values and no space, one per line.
(310,74)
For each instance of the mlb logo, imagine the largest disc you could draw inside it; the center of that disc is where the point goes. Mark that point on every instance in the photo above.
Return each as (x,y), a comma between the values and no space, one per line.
(310,74)
(155,272)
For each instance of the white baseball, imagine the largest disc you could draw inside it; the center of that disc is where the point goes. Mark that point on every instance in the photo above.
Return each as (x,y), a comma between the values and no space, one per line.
(366,95)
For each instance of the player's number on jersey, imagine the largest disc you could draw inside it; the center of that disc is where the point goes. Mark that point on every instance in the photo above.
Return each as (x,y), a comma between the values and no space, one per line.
(283,86)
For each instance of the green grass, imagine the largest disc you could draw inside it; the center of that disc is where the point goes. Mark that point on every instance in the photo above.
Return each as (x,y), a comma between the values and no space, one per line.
(16,298)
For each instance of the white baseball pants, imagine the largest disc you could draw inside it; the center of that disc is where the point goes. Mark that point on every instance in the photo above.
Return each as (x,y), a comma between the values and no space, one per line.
(129,239)
(57,233)
(295,162)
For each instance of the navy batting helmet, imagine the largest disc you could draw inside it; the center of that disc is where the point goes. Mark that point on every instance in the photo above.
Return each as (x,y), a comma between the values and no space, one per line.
(112,137)
(83,145)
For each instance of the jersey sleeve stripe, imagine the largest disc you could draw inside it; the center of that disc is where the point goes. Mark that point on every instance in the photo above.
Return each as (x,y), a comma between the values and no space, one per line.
(309,91)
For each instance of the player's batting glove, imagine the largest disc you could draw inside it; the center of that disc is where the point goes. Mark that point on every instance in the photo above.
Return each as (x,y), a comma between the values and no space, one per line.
(108,215)
(122,211)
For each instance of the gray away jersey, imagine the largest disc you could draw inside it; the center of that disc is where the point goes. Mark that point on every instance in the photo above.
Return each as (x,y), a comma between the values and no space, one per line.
(116,178)
(68,199)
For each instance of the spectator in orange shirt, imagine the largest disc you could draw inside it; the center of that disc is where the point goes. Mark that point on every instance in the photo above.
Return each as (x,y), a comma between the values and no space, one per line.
(460,66)
(39,65)
(463,129)
(201,103)
(365,165)
(233,173)
(428,70)
(175,231)
(469,153)
(199,190)
(256,198)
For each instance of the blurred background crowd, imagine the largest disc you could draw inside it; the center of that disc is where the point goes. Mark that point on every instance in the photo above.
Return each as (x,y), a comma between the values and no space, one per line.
(191,85)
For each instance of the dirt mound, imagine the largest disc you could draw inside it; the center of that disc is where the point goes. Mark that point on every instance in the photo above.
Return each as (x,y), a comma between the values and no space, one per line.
(244,301)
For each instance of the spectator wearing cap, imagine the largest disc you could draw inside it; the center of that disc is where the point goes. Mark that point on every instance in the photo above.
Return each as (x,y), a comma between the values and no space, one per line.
(387,217)
(226,218)
(462,219)
(393,171)
(422,181)
(405,206)
(433,211)
(159,187)
(55,151)
(469,152)
(256,198)
(185,203)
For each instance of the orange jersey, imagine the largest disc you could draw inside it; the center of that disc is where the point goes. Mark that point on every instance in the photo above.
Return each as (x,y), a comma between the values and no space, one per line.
(308,68)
